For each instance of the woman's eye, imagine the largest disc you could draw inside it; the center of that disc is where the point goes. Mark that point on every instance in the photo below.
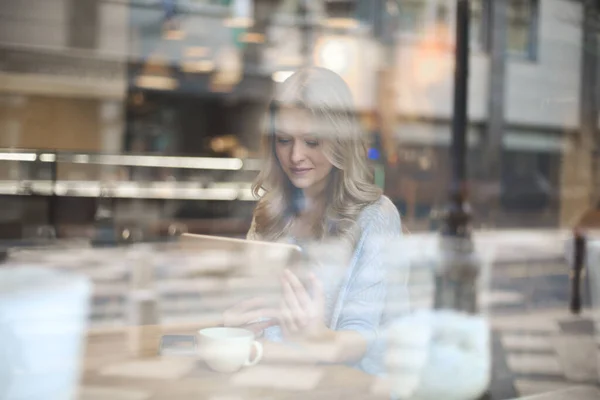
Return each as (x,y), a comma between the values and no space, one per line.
(312,143)
(283,140)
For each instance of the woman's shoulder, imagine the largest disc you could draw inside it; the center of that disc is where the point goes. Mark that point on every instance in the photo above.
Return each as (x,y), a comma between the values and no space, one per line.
(380,215)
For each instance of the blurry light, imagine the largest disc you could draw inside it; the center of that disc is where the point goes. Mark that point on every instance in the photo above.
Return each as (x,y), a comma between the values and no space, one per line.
(334,54)
(156,82)
(26,186)
(220,87)
(81,159)
(341,23)
(9,188)
(424,162)
(164,162)
(373,154)
(156,60)
(78,188)
(250,37)
(197,51)
(60,190)
(138,99)
(202,66)
(218,145)
(229,70)
(47,157)
(281,76)
(246,195)
(43,187)
(18,156)
(174,34)
(238,22)
(223,143)
(289,60)
(240,152)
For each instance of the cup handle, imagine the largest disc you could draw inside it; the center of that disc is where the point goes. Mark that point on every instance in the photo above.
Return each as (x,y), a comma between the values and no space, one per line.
(259,353)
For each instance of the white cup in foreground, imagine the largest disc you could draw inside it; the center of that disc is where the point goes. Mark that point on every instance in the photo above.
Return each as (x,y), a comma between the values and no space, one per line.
(228,349)
(43,323)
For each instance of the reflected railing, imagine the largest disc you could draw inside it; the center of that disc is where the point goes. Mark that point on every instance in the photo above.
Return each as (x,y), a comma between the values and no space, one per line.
(80,174)
(115,180)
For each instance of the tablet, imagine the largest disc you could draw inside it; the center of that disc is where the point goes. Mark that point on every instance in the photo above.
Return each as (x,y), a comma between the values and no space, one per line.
(246,268)
(243,257)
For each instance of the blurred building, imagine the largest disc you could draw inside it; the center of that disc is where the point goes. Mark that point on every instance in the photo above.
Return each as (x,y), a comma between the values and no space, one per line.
(63,73)
(62,87)
(541,91)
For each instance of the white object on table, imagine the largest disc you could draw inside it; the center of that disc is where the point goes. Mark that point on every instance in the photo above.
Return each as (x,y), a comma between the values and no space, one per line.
(43,320)
(439,354)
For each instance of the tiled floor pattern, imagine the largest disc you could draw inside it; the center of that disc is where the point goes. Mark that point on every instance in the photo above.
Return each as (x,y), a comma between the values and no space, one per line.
(538,345)
(542,356)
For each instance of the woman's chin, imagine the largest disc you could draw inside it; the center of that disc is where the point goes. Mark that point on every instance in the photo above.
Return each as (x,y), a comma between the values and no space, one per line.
(301,183)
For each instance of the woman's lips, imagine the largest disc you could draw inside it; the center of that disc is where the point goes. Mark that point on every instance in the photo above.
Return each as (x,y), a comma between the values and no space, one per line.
(300,171)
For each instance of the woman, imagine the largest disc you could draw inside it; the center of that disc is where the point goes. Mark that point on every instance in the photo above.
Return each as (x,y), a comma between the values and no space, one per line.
(316,185)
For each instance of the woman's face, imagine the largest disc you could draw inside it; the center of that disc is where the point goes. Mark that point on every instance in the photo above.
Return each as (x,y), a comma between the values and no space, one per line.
(300,151)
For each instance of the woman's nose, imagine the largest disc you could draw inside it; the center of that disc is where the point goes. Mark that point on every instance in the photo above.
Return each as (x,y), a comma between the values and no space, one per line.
(297,153)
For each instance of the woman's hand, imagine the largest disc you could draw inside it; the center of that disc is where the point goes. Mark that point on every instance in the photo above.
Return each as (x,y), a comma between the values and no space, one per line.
(302,315)
(246,313)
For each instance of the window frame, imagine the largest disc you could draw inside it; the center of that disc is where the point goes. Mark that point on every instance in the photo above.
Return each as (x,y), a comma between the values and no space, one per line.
(531,53)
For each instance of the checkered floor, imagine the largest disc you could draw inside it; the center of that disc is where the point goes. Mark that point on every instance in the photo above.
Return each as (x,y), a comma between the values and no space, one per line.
(538,345)
(541,352)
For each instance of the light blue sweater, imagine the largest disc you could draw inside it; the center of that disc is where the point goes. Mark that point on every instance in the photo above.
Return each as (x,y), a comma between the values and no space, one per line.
(356,299)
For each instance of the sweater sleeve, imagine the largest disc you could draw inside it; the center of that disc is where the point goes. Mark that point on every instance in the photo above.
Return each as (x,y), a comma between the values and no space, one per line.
(366,293)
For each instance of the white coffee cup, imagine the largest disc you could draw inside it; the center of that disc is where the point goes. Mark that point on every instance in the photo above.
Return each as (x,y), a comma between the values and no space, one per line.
(228,349)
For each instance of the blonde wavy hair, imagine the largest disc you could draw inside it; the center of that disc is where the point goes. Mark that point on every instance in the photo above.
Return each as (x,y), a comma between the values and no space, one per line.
(327,98)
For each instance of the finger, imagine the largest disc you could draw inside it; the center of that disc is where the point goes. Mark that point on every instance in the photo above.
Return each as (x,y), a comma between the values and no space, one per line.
(289,297)
(288,319)
(318,296)
(284,327)
(299,315)
(299,289)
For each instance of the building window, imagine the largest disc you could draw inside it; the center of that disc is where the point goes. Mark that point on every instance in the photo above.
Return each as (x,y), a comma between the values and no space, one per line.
(522,28)
(83,24)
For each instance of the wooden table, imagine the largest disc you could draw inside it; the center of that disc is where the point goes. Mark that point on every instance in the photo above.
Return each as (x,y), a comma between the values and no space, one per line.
(109,371)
